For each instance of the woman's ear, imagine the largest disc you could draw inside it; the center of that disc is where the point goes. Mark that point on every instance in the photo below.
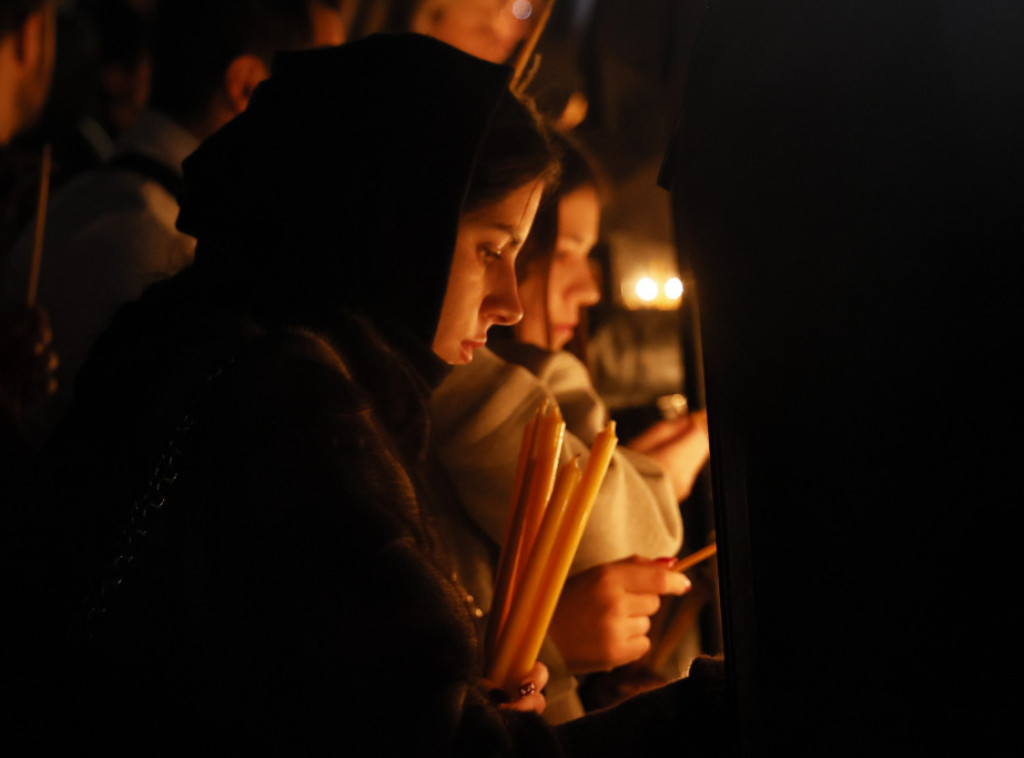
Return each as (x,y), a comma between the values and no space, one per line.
(240,80)
(30,52)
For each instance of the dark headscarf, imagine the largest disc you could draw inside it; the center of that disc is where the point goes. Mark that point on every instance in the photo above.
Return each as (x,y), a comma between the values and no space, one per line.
(343,182)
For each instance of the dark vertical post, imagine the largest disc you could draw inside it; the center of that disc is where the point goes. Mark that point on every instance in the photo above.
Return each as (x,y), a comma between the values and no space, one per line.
(847,182)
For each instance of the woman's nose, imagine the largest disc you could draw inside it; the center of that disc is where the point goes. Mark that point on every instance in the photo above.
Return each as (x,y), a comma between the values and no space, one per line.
(502,305)
(587,289)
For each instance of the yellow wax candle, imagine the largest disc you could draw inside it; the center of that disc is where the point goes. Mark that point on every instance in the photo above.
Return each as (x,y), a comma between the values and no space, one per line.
(510,545)
(536,490)
(548,449)
(530,585)
(694,558)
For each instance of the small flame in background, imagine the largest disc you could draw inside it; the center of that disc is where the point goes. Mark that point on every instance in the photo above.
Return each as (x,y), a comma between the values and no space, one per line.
(661,291)
(647,274)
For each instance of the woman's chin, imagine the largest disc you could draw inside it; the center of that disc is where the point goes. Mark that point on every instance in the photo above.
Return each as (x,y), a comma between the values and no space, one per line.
(467,348)
(560,337)
(458,354)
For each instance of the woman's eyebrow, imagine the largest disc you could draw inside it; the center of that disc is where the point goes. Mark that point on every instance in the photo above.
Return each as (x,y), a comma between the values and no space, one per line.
(510,230)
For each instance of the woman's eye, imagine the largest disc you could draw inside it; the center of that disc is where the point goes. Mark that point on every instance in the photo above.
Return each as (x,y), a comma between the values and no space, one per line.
(491,253)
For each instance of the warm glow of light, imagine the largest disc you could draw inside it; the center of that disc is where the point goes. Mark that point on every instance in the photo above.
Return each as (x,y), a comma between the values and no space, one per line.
(646,273)
(522,9)
(647,289)
(674,288)
(658,289)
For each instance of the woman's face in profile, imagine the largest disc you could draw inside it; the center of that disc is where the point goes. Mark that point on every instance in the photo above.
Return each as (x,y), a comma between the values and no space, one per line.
(482,281)
(569,285)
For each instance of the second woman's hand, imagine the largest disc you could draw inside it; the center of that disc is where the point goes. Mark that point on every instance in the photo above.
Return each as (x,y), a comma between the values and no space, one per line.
(603,615)
(680,447)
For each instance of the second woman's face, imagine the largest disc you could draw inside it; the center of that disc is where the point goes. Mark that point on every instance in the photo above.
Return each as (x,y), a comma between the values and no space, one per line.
(570,285)
(482,281)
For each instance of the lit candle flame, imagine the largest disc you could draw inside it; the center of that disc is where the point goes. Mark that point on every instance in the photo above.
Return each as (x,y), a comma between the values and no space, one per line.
(674,288)
(647,289)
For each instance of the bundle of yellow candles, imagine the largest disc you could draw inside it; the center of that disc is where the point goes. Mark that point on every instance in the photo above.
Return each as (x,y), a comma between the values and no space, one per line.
(549,510)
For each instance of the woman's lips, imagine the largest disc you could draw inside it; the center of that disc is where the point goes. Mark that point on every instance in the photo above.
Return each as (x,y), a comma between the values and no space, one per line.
(468,346)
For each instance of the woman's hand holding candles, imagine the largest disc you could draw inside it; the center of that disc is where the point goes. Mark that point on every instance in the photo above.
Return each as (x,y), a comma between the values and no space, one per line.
(530,696)
(603,615)
(525,601)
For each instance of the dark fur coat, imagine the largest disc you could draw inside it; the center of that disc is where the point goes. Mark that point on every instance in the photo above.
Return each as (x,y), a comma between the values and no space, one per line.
(289,592)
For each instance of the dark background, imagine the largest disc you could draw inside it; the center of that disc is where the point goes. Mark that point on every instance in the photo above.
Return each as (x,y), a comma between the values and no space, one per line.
(846,184)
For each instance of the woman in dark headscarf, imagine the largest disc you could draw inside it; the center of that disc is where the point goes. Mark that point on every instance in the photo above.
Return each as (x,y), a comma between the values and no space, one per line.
(247,458)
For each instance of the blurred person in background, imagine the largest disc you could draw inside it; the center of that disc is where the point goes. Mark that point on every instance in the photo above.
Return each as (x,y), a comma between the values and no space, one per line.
(488,29)
(480,412)
(27,361)
(100,84)
(124,61)
(111,232)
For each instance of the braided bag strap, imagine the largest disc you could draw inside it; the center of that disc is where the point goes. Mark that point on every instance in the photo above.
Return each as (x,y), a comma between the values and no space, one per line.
(151,501)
